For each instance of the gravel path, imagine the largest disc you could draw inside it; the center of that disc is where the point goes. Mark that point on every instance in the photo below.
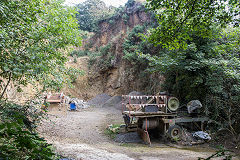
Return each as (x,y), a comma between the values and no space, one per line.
(81,127)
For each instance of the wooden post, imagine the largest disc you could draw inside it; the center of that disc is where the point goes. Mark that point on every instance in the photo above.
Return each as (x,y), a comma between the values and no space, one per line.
(202,125)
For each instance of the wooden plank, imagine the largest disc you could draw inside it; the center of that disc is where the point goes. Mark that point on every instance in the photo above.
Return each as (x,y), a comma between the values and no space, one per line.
(53,100)
(139,113)
(149,116)
(189,119)
(148,104)
(144,135)
(142,113)
(185,120)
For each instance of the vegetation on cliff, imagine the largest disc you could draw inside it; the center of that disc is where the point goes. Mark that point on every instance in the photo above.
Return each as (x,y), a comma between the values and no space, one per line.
(90,12)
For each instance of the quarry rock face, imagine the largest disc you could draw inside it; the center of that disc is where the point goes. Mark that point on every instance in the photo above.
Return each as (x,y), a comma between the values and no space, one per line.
(122,77)
(118,30)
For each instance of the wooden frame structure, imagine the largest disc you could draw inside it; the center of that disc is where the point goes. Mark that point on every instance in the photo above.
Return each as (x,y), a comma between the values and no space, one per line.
(136,119)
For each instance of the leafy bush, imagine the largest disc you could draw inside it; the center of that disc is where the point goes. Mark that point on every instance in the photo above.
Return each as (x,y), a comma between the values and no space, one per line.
(73,73)
(18,136)
(202,56)
(112,130)
(111,21)
(141,8)
(91,12)
(97,49)
(79,53)
(104,50)
(75,60)
(38,56)
(119,11)
(33,36)
(105,61)
(130,3)
(125,18)
(93,58)
(133,45)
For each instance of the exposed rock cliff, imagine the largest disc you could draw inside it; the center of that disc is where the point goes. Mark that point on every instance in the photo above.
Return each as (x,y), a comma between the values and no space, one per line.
(116,27)
(121,76)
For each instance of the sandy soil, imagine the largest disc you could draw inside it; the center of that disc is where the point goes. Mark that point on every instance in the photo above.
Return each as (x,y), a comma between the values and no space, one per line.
(80,135)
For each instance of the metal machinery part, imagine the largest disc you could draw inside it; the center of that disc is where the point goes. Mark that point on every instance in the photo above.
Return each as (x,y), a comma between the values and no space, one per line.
(150,123)
(126,119)
(174,132)
(173,104)
(151,108)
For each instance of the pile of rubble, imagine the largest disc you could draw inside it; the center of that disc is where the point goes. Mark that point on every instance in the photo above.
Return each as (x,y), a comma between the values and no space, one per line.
(99,100)
(80,104)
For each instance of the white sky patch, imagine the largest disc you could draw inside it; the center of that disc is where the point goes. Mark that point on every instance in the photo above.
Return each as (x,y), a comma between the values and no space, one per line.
(115,3)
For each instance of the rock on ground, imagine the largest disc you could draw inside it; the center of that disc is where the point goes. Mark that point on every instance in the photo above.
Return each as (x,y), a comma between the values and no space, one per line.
(131,137)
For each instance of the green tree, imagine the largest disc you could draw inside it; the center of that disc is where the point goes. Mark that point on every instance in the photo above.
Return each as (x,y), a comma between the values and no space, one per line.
(200,55)
(208,70)
(177,18)
(90,12)
(33,36)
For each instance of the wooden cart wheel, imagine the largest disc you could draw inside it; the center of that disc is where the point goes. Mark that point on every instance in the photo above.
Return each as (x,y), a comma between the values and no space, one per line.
(174,132)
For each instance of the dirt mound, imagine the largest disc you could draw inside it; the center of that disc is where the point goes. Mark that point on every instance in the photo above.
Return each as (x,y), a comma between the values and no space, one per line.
(99,99)
(130,137)
(119,106)
(132,100)
(115,101)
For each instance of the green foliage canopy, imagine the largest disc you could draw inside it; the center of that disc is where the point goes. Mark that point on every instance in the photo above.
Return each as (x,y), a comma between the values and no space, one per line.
(32,38)
(90,12)
(208,70)
(200,55)
(177,18)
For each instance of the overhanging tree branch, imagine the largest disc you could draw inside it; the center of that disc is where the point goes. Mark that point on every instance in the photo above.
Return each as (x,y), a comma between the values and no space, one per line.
(9,79)
(192,9)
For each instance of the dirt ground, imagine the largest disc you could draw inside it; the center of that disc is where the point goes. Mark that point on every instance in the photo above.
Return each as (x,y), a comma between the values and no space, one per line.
(80,135)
